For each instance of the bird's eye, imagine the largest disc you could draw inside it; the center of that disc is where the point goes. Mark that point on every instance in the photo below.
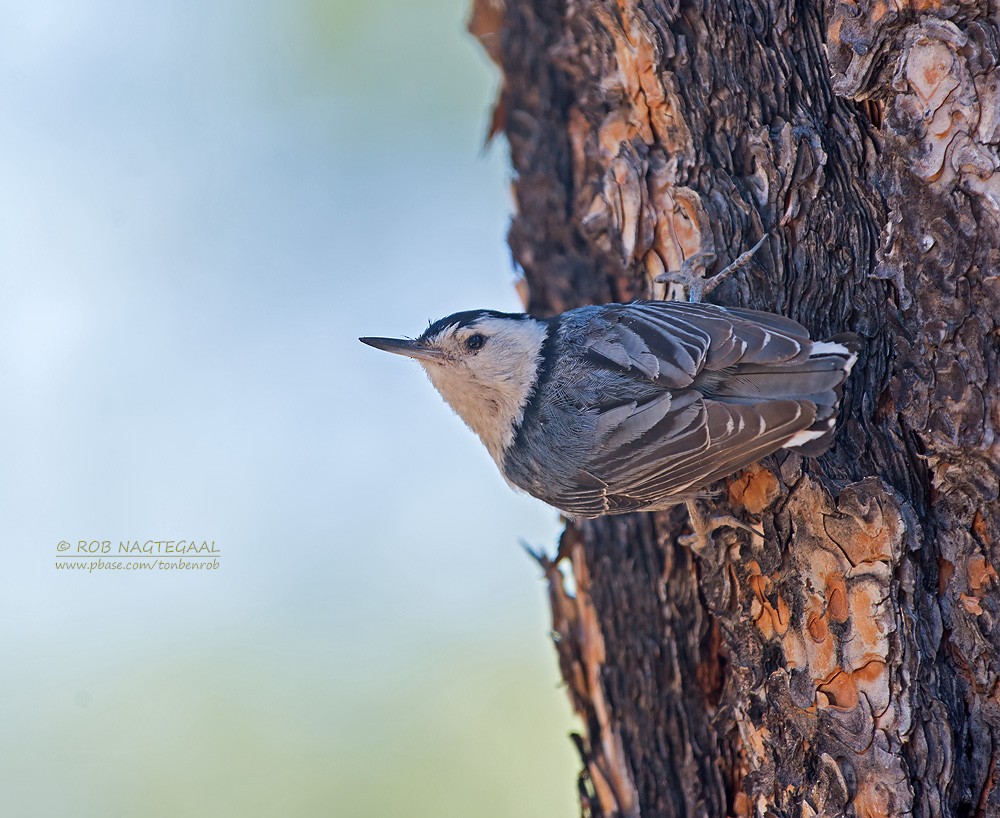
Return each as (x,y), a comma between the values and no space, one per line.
(474,342)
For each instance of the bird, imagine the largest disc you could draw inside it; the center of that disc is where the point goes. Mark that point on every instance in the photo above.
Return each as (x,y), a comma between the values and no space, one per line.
(617,408)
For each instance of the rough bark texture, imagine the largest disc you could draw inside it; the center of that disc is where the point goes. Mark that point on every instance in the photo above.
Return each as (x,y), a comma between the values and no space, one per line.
(847,664)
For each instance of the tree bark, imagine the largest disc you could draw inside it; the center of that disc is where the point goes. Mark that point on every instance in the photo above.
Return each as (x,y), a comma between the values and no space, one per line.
(848,663)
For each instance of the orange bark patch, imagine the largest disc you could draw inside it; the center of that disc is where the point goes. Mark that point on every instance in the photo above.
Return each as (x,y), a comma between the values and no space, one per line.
(981,573)
(817,627)
(833,32)
(815,648)
(862,532)
(771,618)
(836,597)
(849,619)
(971,604)
(755,490)
(655,107)
(920,5)
(615,129)
(758,742)
(844,632)
(864,601)
(980,529)
(873,800)
(873,681)
(868,546)
(840,691)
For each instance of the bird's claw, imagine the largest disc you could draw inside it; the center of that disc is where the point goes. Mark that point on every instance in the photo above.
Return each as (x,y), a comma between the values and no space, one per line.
(702,528)
(691,276)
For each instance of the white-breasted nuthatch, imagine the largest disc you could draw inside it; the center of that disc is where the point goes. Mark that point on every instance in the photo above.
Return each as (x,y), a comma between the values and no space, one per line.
(633,407)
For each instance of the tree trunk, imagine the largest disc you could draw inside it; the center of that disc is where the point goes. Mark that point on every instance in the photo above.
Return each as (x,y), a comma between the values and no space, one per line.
(848,663)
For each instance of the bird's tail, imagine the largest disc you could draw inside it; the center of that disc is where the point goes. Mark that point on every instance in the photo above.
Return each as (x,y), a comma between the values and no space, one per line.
(818,378)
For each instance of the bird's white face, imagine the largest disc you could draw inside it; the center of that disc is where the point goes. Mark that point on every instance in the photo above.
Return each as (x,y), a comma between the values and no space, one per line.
(484,365)
(486,371)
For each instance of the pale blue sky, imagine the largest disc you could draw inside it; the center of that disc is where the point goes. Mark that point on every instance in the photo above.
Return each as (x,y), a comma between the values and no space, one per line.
(203,206)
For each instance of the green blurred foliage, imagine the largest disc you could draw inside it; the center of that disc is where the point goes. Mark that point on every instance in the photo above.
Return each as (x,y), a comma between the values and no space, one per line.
(460,733)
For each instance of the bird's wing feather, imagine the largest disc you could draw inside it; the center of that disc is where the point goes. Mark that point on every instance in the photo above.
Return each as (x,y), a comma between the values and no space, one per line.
(674,440)
(653,346)
(669,448)
(669,342)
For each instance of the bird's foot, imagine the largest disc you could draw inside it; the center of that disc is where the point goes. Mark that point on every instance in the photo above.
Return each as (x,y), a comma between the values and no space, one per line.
(702,528)
(692,278)
(689,279)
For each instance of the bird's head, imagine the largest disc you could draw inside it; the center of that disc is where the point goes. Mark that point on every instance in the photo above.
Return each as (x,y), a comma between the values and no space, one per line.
(484,364)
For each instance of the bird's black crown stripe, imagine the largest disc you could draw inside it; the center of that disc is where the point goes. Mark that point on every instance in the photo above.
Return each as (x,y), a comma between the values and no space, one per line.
(463,319)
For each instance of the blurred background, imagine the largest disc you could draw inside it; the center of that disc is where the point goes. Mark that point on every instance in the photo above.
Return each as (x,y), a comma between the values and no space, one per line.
(203,206)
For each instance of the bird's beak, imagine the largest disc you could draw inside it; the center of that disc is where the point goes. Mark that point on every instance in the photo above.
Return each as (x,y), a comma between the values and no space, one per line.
(404,346)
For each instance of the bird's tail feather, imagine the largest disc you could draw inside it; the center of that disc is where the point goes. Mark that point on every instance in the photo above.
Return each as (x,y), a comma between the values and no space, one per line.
(818,379)
(842,349)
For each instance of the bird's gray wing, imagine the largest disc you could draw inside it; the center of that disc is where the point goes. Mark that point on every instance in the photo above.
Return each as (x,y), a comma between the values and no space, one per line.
(673,446)
(674,441)
(670,342)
